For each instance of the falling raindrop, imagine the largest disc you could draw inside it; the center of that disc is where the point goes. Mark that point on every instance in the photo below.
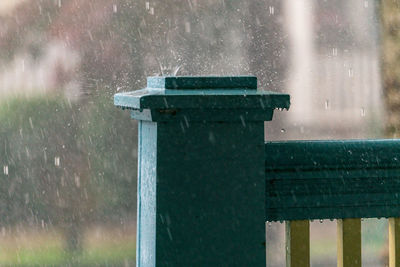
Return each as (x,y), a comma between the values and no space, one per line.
(362,112)
(30,122)
(59,3)
(242,120)
(351,73)
(327,104)
(147,6)
(283,130)
(211,137)
(115,8)
(186,121)
(151,10)
(5,169)
(57,161)
(334,51)
(271,10)
(187,27)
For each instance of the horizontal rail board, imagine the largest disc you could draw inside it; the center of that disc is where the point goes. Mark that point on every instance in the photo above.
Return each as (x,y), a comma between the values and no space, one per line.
(332,179)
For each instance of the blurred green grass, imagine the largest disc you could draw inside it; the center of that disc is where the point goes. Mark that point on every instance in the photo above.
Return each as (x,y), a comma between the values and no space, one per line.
(102,247)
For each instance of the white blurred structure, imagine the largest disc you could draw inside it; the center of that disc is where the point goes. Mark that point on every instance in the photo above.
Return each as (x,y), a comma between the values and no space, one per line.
(334,73)
(57,69)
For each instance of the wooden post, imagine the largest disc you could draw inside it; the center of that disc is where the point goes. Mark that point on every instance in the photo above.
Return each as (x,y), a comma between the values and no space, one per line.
(298,243)
(349,243)
(394,242)
(201,180)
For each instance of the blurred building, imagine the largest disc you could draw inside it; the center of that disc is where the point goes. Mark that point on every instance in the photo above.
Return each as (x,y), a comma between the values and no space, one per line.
(334,70)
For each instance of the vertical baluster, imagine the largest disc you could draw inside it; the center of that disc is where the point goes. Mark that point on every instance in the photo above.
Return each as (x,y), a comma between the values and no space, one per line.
(298,243)
(394,242)
(349,242)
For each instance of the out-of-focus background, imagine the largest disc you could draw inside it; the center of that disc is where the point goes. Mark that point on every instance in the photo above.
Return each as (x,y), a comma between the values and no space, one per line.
(68,157)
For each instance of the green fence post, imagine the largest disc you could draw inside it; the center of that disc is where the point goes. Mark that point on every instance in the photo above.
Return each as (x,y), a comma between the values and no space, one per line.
(201,177)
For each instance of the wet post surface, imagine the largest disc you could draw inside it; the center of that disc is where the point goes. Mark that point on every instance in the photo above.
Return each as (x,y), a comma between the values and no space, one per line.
(201,182)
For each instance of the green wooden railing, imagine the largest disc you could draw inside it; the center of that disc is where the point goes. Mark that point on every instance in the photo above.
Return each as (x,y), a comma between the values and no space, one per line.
(345,180)
(207,181)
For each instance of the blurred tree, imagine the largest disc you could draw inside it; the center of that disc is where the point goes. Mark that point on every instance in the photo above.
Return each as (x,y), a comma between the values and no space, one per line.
(111,143)
(45,171)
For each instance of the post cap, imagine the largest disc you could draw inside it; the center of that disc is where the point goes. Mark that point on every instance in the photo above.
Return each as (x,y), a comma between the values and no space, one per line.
(202,98)
(210,82)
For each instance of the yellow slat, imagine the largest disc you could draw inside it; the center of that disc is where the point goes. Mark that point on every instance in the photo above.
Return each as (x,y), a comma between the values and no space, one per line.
(349,243)
(394,242)
(298,243)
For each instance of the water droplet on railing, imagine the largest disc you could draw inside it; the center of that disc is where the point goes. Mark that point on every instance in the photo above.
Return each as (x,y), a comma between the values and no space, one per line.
(321,221)
(283,130)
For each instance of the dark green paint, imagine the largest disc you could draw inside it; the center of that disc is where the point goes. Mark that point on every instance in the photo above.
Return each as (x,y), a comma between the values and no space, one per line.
(211,82)
(240,95)
(332,179)
(201,185)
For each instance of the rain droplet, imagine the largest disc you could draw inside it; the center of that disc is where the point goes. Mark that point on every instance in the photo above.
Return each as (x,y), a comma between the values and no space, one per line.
(351,73)
(283,130)
(5,169)
(57,161)
(321,221)
(327,104)
(271,10)
(115,8)
(147,5)
(151,10)
(30,122)
(186,121)
(334,51)
(362,112)
(211,137)
(77,181)
(59,3)
(187,27)
(242,120)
